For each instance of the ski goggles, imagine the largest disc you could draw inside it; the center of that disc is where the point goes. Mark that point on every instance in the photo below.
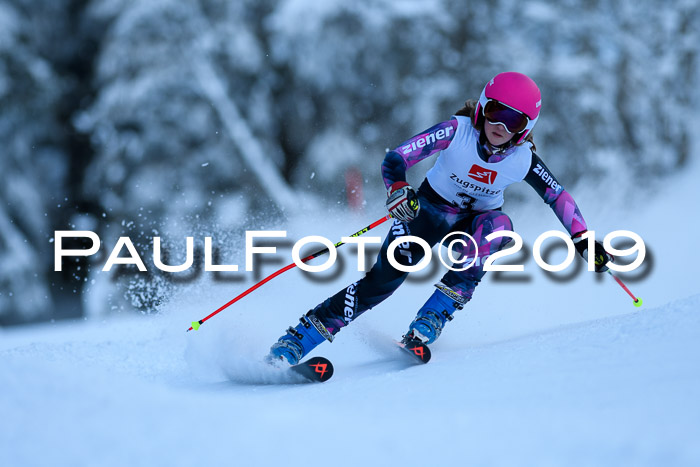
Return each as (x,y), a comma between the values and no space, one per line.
(513,120)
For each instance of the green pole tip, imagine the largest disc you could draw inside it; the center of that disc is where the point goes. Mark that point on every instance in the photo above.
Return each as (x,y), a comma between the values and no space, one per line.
(638,302)
(195,325)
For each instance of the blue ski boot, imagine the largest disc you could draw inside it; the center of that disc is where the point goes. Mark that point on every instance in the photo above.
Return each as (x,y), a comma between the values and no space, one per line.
(433,315)
(299,341)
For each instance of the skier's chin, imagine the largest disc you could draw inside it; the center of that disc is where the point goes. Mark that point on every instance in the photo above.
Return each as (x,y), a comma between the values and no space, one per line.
(497,139)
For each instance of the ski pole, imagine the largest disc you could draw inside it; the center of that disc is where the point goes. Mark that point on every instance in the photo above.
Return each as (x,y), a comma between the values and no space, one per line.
(196,324)
(637,300)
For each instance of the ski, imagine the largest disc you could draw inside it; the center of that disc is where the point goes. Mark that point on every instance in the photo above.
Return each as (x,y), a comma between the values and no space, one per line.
(416,349)
(315,369)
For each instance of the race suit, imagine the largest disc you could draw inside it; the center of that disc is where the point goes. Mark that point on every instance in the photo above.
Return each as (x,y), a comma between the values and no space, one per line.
(462,192)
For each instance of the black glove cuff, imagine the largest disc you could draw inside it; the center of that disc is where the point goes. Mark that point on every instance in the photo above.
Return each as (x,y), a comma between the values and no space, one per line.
(580,243)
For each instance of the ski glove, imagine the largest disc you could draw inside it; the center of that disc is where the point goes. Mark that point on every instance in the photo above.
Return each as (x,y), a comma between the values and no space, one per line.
(402,203)
(600,256)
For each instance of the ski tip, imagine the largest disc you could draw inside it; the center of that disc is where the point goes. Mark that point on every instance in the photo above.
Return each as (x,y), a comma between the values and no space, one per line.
(416,349)
(420,350)
(316,369)
(638,302)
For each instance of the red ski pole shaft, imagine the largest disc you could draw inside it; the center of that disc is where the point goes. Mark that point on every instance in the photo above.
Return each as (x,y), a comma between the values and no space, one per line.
(196,324)
(637,300)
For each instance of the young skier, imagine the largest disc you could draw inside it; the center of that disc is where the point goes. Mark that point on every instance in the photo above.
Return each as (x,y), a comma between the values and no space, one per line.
(486,146)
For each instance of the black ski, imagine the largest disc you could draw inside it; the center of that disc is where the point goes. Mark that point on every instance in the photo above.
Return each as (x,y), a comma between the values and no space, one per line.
(315,369)
(416,349)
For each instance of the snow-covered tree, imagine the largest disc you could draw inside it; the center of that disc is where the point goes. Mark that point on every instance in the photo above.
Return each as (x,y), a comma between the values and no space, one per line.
(33,164)
(179,117)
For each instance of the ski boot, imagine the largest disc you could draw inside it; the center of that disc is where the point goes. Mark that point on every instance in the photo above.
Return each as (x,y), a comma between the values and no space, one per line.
(431,318)
(299,341)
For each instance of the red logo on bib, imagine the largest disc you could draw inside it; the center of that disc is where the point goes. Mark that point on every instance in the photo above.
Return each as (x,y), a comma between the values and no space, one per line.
(482,175)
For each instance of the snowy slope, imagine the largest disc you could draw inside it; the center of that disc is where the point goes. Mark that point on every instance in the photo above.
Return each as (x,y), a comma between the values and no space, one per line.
(616,391)
(530,373)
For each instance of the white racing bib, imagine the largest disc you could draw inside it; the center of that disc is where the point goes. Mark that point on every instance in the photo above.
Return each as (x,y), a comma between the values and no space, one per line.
(462,178)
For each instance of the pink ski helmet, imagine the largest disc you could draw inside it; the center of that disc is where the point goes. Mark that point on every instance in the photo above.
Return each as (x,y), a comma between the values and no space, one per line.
(514,90)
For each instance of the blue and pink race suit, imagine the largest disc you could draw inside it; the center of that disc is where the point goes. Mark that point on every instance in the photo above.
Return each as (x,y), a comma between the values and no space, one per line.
(462,192)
